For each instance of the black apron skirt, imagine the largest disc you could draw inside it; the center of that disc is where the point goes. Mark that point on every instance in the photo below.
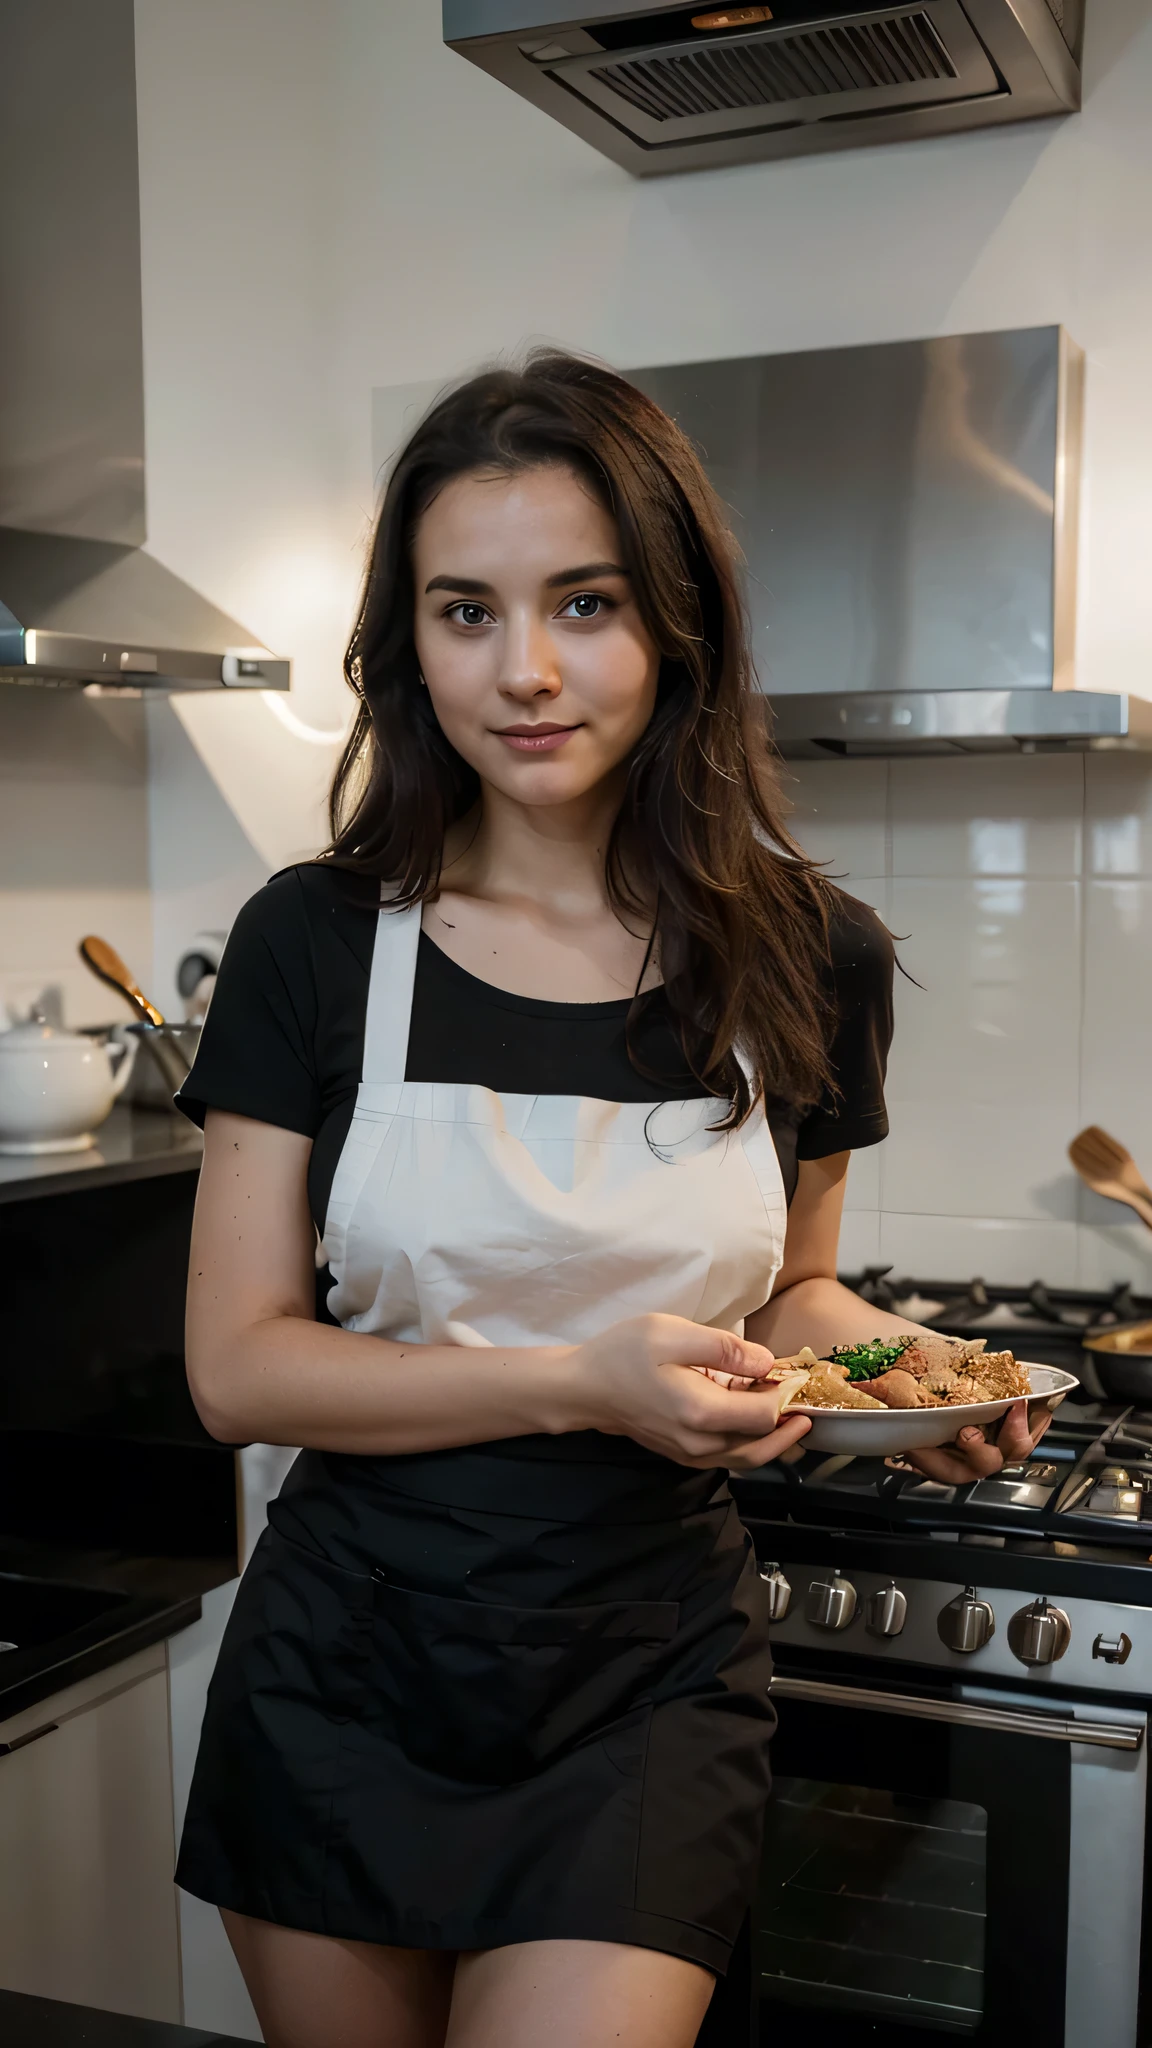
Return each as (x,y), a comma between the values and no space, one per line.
(503,1694)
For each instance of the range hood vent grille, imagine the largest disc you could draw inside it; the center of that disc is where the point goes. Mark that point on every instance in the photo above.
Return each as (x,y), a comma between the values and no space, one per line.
(863,56)
(660,87)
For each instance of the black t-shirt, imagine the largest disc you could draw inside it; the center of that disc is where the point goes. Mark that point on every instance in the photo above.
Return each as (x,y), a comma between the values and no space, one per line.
(283,1041)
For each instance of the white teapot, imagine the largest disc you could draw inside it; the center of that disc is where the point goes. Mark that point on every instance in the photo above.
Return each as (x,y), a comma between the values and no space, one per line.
(55,1087)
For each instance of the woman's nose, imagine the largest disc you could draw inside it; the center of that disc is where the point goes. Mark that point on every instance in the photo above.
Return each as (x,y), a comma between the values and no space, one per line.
(530,667)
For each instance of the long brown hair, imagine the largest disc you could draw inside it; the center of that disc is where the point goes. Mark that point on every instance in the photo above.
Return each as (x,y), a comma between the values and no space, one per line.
(700,844)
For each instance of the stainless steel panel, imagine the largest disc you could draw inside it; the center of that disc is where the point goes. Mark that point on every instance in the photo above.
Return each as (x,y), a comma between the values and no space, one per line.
(71,353)
(80,602)
(959,722)
(919,1641)
(1109,1798)
(90,611)
(897,508)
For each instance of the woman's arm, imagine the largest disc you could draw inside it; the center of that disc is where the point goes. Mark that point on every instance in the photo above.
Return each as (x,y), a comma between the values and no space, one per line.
(262,1369)
(809,1306)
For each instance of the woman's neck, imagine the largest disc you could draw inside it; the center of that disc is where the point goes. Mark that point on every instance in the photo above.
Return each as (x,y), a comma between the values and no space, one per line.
(550,856)
(524,902)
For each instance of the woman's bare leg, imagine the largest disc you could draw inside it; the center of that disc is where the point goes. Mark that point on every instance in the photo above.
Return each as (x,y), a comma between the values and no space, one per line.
(311,1991)
(576,1994)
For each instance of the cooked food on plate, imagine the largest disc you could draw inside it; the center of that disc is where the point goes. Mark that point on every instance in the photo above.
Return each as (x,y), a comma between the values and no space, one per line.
(921,1371)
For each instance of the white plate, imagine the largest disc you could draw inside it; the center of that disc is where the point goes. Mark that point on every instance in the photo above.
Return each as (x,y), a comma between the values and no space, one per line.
(880,1433)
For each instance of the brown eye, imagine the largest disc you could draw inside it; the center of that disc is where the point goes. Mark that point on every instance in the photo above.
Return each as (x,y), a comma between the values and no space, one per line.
(468,614)
(587,606)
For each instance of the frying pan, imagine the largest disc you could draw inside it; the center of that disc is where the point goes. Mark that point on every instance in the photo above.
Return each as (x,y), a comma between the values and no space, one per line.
(1123,1361)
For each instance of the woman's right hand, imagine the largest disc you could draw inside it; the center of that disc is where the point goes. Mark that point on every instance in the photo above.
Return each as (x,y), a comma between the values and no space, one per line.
(647,1379)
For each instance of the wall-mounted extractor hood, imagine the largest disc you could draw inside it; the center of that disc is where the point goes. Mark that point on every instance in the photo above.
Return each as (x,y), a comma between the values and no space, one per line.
(684,88)
(80,599)
(908,514)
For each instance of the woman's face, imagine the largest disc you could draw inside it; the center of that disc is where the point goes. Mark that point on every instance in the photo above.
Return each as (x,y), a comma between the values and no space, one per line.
(540,669)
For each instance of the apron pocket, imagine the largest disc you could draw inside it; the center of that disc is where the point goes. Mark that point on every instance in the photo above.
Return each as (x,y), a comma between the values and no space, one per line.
(492,1694)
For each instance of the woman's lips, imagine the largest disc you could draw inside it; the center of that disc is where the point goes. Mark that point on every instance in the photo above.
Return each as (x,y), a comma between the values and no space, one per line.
(536,739)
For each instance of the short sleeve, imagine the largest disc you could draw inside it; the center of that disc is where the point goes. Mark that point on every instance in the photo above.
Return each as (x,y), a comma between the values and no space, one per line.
(852,1114)
(256,1053)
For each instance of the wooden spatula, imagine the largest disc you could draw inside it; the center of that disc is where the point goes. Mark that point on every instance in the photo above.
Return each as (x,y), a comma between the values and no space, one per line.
(107,966)
(1111,1170)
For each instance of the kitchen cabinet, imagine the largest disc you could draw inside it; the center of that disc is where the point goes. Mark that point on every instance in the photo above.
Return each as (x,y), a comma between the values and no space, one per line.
(87,1904)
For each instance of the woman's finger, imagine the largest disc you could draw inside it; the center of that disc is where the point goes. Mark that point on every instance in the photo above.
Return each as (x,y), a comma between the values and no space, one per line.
(958,1464)
(1014,1437)
(749,1457)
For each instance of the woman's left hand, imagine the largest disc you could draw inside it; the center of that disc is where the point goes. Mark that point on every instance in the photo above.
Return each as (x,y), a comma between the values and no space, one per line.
(973,1457)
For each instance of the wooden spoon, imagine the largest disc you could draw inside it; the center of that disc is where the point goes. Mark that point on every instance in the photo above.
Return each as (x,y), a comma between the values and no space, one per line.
(107,965)
(1111,1171)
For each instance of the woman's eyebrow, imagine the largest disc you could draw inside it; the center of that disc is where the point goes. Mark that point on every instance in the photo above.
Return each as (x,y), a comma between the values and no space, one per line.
(466,584)
(583,573)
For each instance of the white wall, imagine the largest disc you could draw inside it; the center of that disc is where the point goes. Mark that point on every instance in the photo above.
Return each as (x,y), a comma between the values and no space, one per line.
(73,848)
(338,214)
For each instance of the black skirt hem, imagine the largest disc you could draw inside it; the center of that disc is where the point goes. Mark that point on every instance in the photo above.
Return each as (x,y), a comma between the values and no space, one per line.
(625,1926)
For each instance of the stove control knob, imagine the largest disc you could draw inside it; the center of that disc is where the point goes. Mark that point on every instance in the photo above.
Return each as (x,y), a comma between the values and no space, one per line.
(778,1590)
(1113,1649)
(1039,1634)
(831,1603)
(967,1622)
(885,1611)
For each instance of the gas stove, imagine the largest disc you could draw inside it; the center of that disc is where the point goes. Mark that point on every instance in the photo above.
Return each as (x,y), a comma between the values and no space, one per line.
(946,1660)
(1039,1322)
(1090,1482)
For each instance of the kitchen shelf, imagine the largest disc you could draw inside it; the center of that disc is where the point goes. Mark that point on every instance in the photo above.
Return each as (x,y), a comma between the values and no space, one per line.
(133,1145)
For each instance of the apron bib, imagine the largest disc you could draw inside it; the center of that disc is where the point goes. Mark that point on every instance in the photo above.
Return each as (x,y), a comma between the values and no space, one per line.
(463,1216)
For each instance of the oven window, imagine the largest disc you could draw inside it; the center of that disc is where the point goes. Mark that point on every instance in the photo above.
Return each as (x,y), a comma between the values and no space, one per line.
(874,1902)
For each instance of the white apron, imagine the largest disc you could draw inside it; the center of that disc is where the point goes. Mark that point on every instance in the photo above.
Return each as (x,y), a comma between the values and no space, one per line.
(512,1691)
(459,1215)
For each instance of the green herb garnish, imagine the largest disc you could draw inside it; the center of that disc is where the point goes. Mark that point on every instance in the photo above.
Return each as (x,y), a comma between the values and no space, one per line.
(868,1361)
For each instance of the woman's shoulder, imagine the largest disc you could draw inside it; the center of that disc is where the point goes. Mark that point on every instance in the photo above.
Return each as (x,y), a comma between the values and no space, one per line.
(304,900)
(859,941)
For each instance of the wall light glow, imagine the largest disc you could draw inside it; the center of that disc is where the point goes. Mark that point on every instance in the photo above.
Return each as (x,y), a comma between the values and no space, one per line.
(316,735)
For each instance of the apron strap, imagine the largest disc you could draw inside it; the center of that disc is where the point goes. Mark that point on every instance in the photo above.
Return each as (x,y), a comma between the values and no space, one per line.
(390,984)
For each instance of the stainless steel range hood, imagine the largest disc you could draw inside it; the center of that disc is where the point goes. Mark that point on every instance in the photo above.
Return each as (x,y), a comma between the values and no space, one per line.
(908,513)
(687,88)
(80,599)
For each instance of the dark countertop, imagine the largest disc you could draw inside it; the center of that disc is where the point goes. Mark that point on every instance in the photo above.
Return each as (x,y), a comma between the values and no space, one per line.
(151,1599)
(45,2023)
(133,1145)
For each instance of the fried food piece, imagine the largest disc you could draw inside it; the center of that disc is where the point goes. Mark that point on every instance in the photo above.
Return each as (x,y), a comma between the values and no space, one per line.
(792,1388)
(996,1377)
(931,1354)
(828,1386)
(898,1389)
(943,1381)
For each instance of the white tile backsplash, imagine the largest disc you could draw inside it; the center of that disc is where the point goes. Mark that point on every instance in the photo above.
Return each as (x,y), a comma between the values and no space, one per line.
(990,1248)
(1021,893)
(1118,814)
(982,816)
(1116,1085)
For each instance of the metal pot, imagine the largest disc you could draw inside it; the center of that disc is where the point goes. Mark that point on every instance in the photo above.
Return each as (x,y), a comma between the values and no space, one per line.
(1123,1361)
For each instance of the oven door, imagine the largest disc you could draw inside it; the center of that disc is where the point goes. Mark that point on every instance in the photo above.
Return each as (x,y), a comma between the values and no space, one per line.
(966,1866)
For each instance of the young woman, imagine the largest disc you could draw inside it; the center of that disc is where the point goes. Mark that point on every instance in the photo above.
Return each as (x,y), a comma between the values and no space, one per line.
(563,1050)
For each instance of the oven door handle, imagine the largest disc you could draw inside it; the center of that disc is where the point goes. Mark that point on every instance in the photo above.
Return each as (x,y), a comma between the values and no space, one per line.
(962,1714)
